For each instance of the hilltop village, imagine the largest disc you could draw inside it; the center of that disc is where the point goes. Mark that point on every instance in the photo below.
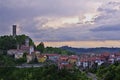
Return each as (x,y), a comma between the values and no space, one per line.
(64,61)
(83,61)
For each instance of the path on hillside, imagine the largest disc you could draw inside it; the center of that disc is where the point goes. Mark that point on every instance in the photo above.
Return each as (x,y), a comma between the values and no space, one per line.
(32,65)
(92,76)
(29,65)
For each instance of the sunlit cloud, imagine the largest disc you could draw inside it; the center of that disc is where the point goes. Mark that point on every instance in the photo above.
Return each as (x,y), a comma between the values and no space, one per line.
(56,23)
(52,22)
(90,18)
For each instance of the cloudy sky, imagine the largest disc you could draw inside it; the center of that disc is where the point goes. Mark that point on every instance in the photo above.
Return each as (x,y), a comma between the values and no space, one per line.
(77,23)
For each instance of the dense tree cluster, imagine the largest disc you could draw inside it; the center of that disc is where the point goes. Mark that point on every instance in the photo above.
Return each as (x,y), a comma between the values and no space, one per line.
(40,47)
(7,42)
(111,72)
(42,73)
(10,42)
(92,50)
(106,71)
(57,50)
(6,61)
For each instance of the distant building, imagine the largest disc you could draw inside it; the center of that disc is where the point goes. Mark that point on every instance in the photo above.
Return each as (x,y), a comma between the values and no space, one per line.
(26,48)
(73,59)
(17,53)
(31,49)
(30,57)
(41,58)
(14,30)
(63,63)
(52,57)
(27,40)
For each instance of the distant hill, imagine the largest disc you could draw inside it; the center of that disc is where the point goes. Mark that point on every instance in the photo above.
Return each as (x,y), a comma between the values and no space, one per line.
(91,50)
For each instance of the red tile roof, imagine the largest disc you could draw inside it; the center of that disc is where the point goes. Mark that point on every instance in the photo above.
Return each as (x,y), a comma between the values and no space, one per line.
(73,57)
(63,57)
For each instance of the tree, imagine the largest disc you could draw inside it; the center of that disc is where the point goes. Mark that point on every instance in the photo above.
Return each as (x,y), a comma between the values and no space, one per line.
(9,42)
(50,72)
(41,47)
(110,72)
(6,60)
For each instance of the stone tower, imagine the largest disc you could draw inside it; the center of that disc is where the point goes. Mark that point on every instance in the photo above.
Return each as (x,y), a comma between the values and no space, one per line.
(14,30)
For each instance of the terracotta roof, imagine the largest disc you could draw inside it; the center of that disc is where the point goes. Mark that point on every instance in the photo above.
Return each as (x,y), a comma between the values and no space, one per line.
(91,59)
(117,54)
(40,56)
(105,54)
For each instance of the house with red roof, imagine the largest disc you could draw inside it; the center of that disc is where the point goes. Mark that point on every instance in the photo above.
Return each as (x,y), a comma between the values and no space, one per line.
(63,62)
(73,59)
(41,58)
(52,57)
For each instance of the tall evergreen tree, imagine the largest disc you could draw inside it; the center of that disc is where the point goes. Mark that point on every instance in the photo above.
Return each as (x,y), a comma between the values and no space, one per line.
(41,47)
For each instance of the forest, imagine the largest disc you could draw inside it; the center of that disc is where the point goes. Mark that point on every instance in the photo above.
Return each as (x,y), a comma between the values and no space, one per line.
(97,50)
(106,71)
(42,73)
(111,72)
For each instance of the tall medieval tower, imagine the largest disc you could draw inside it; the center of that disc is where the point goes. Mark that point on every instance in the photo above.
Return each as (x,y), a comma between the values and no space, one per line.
(14,30)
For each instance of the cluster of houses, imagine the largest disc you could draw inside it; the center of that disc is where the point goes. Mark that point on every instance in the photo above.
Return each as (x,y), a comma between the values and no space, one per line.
(63,61)
(67,61)
(87,61)
(22,49)
(83,61)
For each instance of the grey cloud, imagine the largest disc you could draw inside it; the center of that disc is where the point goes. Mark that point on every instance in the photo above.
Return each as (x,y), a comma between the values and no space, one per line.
(111,35)
(109,7)
(107,24)
(109,15)
(24,12)
(12,11)
(62,34)
(107,28)
(42,7)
